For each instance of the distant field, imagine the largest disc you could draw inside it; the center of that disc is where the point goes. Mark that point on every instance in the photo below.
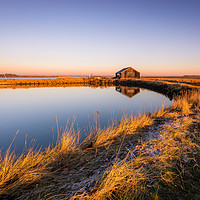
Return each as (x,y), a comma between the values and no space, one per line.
(63,82)
(190,81)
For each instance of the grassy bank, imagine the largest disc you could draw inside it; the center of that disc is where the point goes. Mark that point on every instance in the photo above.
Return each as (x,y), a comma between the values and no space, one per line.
(168,87)
(152,156)
(187,81)
(59,82)
(161,85)
(163,167)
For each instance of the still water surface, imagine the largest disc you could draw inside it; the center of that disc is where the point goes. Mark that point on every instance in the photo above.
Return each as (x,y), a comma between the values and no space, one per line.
(34,111)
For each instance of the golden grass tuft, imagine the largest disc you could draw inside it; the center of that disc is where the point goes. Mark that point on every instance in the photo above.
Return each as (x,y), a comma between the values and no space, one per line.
(127,126)
(15,171)
(32,165)
(123,178)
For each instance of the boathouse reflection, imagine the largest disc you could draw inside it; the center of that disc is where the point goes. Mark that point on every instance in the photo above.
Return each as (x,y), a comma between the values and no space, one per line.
(128,91)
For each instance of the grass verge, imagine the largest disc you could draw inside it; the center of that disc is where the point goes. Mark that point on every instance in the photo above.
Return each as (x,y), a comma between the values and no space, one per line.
(167,167)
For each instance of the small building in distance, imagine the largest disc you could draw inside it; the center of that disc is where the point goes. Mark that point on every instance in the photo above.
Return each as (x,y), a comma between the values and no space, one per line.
(127,73)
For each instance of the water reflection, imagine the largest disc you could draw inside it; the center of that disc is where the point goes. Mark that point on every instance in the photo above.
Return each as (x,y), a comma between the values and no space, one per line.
(128,91)
(34,111)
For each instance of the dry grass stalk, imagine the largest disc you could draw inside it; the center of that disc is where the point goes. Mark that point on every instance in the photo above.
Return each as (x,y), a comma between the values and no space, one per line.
(34,164)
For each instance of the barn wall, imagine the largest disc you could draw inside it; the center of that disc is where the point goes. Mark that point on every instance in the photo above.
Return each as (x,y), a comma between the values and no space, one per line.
(130,73)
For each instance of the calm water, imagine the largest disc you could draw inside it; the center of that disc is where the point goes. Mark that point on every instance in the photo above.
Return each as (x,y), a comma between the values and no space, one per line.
(34,111)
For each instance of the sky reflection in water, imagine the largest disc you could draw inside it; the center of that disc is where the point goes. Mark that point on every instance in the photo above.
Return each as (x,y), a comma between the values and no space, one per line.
(34,111)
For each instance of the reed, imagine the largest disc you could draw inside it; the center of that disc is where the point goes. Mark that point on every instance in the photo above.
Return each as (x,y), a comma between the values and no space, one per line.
(187,82)
(17,172)
(127,126)
(59,82)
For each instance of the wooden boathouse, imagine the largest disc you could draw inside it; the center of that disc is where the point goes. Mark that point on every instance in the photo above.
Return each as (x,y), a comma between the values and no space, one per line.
(127,73)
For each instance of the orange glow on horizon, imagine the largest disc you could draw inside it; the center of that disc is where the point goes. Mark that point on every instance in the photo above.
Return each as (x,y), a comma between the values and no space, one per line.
(96,70)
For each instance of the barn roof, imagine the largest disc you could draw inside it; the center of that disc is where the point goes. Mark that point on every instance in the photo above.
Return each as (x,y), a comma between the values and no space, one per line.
(122,70)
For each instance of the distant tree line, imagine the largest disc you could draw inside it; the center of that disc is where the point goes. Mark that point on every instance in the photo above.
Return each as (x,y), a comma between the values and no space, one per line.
(8,75)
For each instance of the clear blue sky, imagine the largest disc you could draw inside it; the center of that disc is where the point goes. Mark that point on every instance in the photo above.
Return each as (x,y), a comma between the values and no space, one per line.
(44,37)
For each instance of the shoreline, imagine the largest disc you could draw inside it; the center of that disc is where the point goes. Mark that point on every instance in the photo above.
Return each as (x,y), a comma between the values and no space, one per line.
(60,82)
(160,85)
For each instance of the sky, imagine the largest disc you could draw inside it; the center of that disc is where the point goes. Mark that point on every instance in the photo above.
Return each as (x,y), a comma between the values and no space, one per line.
(99,37)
